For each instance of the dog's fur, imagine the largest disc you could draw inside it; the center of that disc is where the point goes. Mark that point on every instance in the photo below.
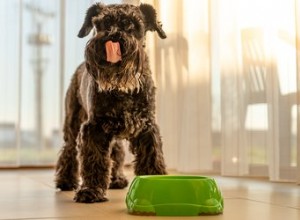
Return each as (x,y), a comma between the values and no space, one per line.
(108,102)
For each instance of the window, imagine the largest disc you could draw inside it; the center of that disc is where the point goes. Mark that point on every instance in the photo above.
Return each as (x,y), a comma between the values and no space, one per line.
(39,53)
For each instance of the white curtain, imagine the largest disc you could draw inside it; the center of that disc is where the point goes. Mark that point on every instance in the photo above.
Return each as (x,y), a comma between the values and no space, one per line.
(297,5)
(227,86)
(39,53)
(228,79)
(182,68)
(184,90)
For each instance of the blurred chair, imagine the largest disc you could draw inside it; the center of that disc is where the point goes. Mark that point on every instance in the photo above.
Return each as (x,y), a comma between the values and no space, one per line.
(262,86)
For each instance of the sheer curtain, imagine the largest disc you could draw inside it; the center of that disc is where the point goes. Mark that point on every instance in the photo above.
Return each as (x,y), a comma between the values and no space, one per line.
(228,83)
(184,82)
(298,81)
(39,53)
(228,79)
(29,72)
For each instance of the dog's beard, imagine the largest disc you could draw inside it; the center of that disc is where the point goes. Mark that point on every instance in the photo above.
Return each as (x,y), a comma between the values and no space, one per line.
(123,76)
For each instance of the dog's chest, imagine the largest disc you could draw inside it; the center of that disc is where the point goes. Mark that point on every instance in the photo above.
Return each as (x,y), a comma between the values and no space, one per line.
(122,114)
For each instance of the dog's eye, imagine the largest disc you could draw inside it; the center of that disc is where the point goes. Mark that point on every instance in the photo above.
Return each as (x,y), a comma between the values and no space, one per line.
(126,25)
(107,22)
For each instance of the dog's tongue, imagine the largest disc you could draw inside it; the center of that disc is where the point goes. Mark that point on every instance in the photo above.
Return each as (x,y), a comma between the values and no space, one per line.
(113,52)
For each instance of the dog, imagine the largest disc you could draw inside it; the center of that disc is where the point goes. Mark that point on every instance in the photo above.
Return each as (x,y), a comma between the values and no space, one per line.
(111,98)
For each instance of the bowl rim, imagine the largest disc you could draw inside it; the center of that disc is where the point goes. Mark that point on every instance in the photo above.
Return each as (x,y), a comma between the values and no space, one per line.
(175,177)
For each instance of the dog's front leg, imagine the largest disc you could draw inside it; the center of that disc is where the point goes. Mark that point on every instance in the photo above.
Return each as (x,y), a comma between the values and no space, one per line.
(94,159)
(147,147)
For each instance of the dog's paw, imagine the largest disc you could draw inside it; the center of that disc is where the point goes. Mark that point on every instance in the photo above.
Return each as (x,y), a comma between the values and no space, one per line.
(118,183)
(63,186)
(88,195)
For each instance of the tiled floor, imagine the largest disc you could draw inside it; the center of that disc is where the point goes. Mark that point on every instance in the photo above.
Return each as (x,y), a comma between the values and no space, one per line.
(30,194)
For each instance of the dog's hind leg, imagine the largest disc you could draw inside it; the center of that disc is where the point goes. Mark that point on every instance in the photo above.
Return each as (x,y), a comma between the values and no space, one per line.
(67,165)
(147,148)
(118,179)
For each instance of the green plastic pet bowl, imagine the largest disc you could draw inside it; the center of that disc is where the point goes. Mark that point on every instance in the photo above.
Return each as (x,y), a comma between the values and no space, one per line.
(174,196)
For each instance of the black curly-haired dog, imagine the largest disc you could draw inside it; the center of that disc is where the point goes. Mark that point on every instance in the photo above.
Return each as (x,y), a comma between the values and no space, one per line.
(111,97)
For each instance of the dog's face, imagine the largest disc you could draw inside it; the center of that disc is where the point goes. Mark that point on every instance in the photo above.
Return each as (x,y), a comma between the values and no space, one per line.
(115,55)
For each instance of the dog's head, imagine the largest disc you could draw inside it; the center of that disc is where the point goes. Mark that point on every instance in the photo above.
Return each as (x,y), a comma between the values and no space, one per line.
(114,55)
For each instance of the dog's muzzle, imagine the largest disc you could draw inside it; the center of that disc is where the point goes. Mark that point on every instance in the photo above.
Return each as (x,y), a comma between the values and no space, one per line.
(115,62)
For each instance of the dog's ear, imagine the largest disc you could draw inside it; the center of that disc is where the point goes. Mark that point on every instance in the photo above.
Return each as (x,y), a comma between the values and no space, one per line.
(87,26)
(151,23)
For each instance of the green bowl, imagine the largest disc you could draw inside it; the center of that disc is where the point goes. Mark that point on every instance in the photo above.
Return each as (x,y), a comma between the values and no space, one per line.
(174,196)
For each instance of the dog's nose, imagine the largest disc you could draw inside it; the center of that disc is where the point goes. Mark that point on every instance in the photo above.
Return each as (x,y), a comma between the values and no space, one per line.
(116,37)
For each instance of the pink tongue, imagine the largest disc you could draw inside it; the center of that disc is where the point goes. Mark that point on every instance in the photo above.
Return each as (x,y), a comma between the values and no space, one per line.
(113,52)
